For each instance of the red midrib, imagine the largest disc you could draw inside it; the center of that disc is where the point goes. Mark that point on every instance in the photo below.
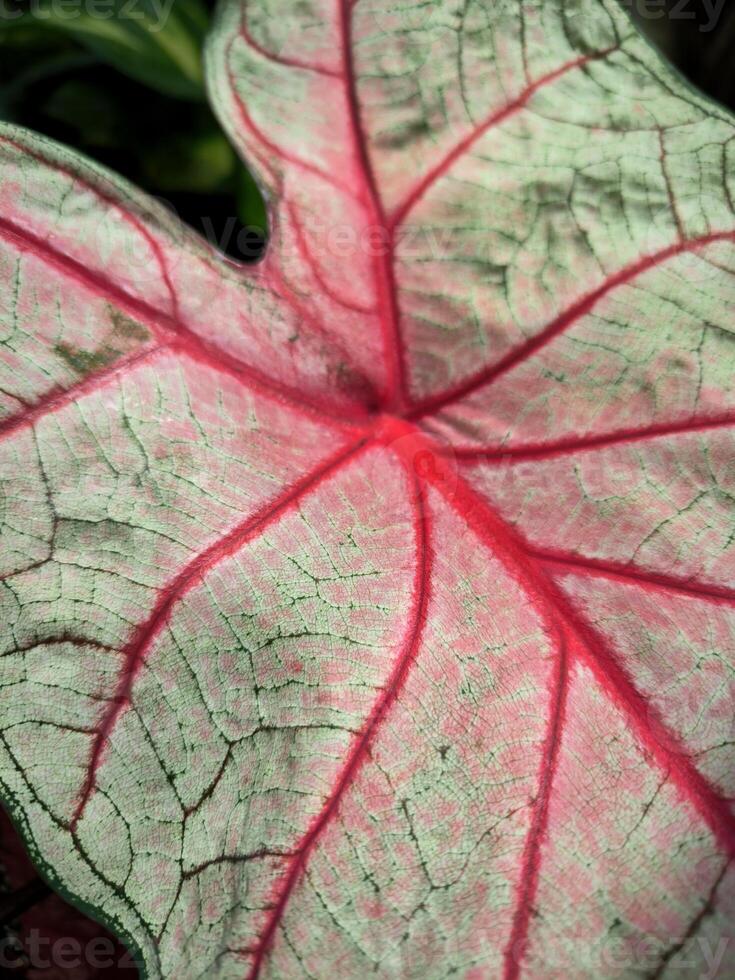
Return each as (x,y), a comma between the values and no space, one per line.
(579,641)
(516,355)
(360,749)
(630,575)
(575,444)
(445,164)
(168,331)
(585,645)
(531,862)
(106,198)
(57,399)
(395,394)
(193,573)
(528,570)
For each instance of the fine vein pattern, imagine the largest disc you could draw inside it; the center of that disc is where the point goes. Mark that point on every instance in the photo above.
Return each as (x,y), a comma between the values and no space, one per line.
(371,611)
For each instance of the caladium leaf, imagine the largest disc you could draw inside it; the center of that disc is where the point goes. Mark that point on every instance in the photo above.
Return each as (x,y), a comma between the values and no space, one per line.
(373,610)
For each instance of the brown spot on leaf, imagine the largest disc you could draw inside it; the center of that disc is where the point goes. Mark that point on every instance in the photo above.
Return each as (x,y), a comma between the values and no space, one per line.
(83,361)
(125,331)
(127,328)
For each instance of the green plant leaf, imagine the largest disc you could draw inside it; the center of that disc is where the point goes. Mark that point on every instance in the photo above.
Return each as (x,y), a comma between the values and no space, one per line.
(157,42)
(201,162)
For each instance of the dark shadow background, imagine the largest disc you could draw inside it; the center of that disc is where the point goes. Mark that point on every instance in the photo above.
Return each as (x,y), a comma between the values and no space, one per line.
(134,99)
(128,91)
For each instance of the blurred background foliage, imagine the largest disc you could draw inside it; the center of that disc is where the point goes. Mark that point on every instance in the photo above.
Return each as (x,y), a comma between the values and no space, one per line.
(122,81)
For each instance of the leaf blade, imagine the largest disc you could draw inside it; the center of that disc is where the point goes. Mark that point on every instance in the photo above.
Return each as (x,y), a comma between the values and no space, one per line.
(420,647)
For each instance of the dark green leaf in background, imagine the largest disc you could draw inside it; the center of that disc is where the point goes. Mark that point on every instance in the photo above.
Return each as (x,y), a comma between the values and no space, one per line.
(156,42)
(122,82)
